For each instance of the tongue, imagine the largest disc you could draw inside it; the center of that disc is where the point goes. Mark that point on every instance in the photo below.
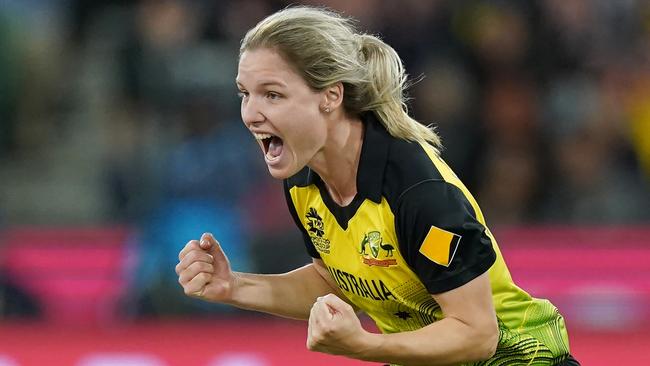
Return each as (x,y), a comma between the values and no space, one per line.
(275,147)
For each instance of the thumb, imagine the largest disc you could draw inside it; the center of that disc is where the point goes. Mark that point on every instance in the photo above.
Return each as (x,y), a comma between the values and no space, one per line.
(211,245)
(334,303)
(207,241)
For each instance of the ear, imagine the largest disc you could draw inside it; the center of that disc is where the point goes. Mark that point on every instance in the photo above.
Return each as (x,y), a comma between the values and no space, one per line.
(332,97)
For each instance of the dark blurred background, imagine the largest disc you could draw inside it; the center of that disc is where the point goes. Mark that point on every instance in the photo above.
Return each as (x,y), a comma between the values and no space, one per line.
(120,140)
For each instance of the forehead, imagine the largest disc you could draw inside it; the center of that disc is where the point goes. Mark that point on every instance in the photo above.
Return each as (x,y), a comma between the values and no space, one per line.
(264,65)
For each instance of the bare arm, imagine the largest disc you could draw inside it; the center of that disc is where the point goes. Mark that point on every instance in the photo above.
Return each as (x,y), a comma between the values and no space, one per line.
(290,294)
(205,273)
(469,331)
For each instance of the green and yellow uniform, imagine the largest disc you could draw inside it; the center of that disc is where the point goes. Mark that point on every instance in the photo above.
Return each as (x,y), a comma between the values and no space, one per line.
(413,230)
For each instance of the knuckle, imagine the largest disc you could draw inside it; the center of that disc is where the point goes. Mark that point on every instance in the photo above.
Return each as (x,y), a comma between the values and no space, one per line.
(313,342)
(207,267)
(179,269)
(195,267)
(327,330)
(199,256)
(191,256)
(184,278)
(188,247)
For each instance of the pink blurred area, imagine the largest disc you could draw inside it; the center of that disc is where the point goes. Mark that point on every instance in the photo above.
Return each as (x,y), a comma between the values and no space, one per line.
(598,277)
(232,342)
(235,342)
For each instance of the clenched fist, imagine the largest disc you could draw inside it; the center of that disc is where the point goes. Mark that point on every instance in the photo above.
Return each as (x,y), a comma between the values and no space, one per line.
(334,327)
(204,271)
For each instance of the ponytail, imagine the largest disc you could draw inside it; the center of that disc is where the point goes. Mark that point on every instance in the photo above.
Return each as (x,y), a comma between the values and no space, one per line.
(385,92)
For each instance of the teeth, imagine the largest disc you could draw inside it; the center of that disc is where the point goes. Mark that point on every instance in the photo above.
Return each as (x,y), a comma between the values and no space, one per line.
(262,136)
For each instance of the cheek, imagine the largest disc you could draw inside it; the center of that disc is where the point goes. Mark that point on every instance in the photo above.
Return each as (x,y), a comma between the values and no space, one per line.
(310,136)
(308,130)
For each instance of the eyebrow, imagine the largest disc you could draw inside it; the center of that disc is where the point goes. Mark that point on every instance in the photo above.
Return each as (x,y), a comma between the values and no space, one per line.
(266,83)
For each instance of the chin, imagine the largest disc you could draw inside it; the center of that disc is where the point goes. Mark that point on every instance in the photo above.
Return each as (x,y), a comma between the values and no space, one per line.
(279,173)
(283,173)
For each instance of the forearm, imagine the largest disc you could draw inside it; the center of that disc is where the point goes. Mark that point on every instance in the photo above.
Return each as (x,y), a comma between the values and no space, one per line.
(289,295)
(445,342)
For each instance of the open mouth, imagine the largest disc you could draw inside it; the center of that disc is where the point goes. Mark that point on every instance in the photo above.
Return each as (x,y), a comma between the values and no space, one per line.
(271,145)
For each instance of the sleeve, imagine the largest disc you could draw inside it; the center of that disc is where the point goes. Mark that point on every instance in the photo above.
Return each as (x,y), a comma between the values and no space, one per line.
(440,236)
(311,250)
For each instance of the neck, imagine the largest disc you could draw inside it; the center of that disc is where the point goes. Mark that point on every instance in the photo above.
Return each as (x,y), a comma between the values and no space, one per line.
(337,164)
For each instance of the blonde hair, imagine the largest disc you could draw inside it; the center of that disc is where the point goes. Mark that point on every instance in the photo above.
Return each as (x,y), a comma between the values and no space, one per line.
(325,48)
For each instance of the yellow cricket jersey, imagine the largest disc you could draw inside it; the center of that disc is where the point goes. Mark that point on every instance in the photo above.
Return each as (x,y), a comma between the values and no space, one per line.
(414,230)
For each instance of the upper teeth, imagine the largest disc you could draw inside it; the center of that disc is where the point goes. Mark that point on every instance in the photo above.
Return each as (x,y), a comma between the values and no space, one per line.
(262,136)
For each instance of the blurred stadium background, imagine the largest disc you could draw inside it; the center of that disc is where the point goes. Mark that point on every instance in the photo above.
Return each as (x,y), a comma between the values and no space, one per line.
(120,140)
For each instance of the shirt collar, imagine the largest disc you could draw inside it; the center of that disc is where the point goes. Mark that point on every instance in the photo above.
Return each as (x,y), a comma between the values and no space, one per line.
(372,162)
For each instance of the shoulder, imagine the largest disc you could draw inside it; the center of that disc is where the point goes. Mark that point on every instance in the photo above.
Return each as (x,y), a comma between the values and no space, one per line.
(440,235)
(437,201)
(408,164)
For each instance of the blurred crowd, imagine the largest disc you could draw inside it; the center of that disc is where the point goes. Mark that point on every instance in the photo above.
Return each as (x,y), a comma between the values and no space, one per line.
(125,112)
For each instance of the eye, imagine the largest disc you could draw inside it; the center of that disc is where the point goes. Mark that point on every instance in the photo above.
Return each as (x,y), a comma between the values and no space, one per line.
(273,95)
(242,94)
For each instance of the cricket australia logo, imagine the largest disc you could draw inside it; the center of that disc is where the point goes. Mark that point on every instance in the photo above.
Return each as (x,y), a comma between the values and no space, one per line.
(317,230)
(380,252)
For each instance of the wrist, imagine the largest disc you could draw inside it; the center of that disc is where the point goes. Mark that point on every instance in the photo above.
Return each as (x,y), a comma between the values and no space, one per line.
(233,292)
(368,345)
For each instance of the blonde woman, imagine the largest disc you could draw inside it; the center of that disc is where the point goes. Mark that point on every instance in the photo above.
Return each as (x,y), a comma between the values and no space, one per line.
(392,231)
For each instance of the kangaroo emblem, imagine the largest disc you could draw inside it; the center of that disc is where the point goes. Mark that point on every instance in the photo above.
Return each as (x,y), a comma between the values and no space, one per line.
(364,242)
(374,240)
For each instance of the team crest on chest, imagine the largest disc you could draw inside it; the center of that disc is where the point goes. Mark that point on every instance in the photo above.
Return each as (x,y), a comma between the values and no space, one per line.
(316,231)
(375,252)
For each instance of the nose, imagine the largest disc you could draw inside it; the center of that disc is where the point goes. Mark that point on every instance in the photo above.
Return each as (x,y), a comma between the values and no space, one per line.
(250,113)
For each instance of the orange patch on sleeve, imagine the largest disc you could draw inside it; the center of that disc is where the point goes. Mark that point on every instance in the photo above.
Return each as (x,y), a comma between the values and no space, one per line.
(440,246)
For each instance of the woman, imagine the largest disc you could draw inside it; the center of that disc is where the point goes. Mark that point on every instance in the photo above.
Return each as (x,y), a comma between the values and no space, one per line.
(392,231)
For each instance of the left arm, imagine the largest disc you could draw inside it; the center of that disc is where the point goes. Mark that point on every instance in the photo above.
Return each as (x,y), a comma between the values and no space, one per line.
(468,332)
(445,244)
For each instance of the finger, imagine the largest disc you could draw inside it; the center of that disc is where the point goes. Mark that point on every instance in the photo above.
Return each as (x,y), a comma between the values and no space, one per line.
(314,327)
(196,286)
(315,312)
(320,313)
(334,303)
(194,269)
(325,312)
(311,323)
(194,256)
(191,245)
